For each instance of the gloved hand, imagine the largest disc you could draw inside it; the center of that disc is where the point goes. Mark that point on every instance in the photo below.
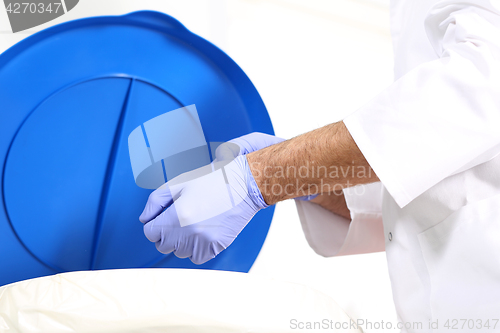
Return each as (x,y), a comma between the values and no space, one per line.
(199,213)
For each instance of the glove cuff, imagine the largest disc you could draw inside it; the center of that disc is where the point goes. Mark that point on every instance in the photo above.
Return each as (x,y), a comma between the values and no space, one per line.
(253,189)
(307,197)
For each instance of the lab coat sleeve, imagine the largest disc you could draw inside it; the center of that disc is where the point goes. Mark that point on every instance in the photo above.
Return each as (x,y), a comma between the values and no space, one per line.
(442,117)
(331,235)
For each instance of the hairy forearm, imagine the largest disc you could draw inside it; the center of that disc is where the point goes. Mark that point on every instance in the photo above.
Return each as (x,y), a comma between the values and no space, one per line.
(321,161)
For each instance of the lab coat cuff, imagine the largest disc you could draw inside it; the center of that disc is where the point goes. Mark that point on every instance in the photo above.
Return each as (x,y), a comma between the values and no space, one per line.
(376,161)
(331,235)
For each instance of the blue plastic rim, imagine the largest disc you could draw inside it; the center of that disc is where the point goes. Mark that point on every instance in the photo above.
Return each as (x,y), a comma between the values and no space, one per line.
(69,97)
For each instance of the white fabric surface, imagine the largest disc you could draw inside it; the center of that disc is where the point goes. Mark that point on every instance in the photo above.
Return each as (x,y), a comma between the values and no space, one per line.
(433,139)
(162,300)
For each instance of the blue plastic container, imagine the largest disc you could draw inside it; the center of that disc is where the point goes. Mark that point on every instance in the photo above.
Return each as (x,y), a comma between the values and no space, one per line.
(69,97)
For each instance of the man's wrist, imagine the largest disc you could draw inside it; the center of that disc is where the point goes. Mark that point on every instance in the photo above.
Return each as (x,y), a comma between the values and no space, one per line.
(257,170)
(252,187)
(321,161)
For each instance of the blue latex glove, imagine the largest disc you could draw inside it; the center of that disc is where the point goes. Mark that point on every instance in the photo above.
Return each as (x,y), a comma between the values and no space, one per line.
(199,213)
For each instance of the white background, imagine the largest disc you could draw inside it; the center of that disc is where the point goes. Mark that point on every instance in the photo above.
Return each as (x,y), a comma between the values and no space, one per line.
(313,62)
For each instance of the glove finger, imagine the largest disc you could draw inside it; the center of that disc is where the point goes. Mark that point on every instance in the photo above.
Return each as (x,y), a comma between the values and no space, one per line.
(164,247)
(163,226)
(183,250)
(201,256)
(207,249)
(227,151)
(157,202)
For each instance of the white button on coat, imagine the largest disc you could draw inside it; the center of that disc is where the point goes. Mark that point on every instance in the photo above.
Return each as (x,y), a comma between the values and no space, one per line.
(432,138)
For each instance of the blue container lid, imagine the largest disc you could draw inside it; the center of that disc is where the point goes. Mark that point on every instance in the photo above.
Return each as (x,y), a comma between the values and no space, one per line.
(70,96)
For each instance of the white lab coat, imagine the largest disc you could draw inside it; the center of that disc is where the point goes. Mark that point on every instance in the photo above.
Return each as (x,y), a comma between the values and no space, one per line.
(432,138)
